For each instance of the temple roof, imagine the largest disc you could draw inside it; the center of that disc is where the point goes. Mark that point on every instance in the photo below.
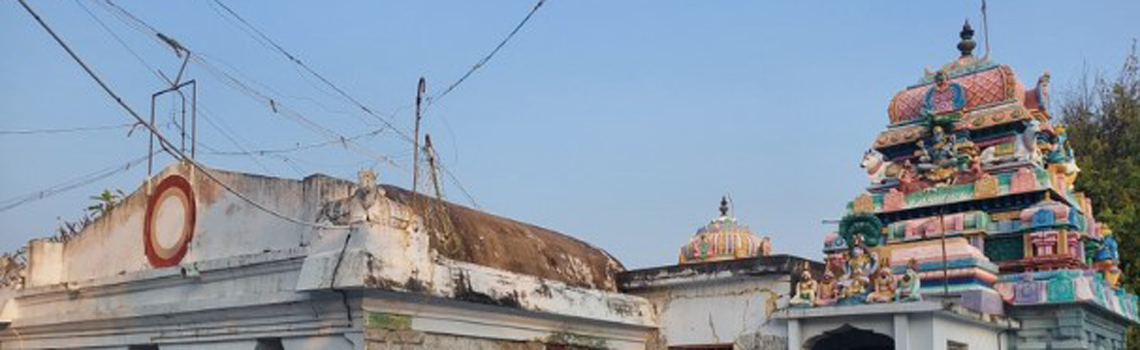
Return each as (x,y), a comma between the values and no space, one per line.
(515,246)
(992,96)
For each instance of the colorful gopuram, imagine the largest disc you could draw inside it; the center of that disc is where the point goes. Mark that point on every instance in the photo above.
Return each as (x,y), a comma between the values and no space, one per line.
(971,192)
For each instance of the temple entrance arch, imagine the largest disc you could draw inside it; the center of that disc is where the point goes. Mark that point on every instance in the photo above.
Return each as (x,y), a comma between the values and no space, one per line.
(847,337)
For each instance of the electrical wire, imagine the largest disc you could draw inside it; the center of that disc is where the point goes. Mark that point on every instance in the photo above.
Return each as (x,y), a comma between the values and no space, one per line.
(122,43)
(279,108)
(268,42)
(296,148)
(439,96)
(259,34)
(161,77)
(225,134)
(67,130)
(72,184)
(233,82)
(169,146)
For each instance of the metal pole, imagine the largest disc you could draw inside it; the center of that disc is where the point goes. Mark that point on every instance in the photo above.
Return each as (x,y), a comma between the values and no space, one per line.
(420,89)
(986,28)
(182,129)
(945,265)
(194,121)
(150,150)
(429,151)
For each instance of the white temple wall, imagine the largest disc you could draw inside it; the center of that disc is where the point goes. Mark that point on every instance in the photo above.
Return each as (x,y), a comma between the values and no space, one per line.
(929,329)
(949,329)
(226,225)
(396,321)
(247,274)
(734,311)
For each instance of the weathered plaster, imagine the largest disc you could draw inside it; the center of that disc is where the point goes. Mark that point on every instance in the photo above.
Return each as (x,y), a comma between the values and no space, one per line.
(250,274)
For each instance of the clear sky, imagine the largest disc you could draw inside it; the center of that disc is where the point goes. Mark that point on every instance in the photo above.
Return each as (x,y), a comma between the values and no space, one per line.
(617,122)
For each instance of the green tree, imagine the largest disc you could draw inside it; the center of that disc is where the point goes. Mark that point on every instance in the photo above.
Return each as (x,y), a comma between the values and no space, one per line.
(1103,119)
(104,202)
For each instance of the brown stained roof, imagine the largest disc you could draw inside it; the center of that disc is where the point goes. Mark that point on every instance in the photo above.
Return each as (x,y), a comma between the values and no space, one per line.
(493,241)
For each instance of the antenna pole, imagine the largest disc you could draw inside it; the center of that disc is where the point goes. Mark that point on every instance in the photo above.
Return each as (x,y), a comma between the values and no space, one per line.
(986,28)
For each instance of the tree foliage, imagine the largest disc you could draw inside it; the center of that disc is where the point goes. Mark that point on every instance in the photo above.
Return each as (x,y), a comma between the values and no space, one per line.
(104,203)
(1103,119)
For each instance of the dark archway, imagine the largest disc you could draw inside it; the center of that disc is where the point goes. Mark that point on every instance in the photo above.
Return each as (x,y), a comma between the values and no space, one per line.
(850,338)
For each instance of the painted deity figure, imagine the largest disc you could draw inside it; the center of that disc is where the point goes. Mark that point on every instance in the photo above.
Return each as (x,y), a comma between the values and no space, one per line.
(837,261)
(805,289)
(925,161)
(1112,276)
(703,248)
(909,180)
(943,145)
(944,97)
(856,286)
(938,156)
(909,284)
(884,286)
(968,156)
(1028,142)
(1059,151)
(1108,249)
(1059,155)
(861,260)
(828,290)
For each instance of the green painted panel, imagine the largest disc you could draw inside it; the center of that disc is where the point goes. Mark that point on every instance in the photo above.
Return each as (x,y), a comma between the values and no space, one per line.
(1005,248)
(1061,289)
(387,321)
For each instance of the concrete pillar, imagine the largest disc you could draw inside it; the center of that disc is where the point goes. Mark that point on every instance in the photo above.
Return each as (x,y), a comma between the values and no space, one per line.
(794,335)
(45,263)
(902,332)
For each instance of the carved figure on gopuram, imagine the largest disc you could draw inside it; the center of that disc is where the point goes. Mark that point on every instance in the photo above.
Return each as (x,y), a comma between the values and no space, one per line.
(878,169)
(909,284)
(885,285)
(1057,154)
(805,289)
(828,291)
(1107,258)
(862,260)
(946,100)
(855,289)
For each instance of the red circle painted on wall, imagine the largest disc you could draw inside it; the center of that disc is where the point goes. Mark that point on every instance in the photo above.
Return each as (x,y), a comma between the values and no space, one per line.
(169,226)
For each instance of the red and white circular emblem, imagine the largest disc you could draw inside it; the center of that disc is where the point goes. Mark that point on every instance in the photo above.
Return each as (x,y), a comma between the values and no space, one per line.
(169,225)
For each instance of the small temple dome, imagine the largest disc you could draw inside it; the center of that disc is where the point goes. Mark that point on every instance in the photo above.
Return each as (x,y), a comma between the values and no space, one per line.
(724,238)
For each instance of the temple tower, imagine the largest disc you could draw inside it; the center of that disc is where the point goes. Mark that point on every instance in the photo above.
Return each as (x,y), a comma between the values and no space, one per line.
(971,210)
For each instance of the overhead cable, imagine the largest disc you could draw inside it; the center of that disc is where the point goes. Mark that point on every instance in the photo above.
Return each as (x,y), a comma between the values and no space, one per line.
(274,104)
(298,147)
(259,34)
(158,74)
(169,146)
(433,99)
(68,185)
(67,130)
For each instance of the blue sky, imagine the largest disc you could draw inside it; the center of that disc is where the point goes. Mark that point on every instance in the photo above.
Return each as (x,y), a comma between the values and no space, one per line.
(620,123)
